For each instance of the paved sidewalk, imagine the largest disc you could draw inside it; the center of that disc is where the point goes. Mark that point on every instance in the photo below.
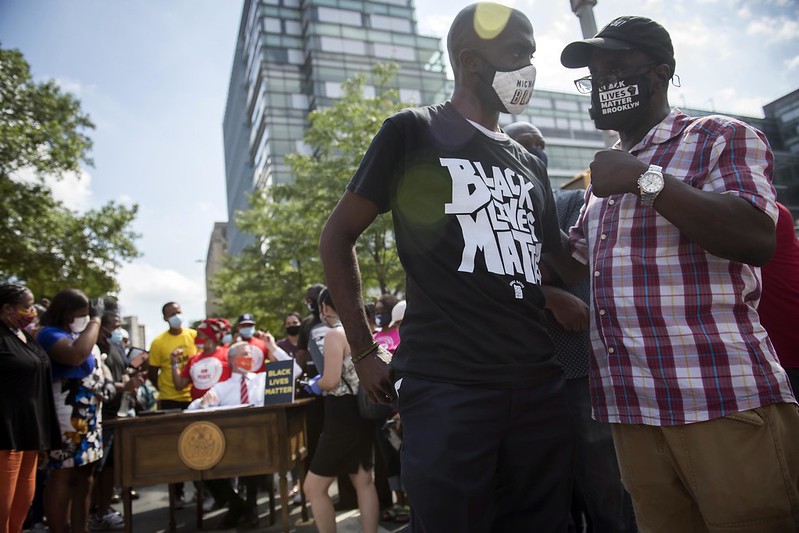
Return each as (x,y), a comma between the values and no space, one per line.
(151,515)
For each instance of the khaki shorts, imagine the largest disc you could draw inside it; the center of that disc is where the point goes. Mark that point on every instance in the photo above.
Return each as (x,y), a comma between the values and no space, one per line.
(739,473)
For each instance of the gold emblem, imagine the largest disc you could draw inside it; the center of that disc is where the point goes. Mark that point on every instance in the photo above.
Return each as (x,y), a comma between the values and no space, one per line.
(201,445)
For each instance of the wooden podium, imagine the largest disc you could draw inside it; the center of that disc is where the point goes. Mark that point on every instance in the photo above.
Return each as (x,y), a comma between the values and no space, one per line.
(200,445)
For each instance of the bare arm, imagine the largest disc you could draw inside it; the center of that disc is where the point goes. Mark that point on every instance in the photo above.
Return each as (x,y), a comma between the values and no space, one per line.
(75,352)
(570,311)
(180,382)
(349,219)
(335,349)
(566,267)
(722,224)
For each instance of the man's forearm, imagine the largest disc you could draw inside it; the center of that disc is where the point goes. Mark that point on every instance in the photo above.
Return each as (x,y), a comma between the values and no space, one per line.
(344,282)
(725,225)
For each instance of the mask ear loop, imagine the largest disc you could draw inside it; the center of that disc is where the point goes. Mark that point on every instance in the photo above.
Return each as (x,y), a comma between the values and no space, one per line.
(677,83)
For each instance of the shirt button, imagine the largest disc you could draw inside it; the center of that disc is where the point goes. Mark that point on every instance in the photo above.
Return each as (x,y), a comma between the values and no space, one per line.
(611,201)
(611,350)
(602,312)
(596,273)
(603,236)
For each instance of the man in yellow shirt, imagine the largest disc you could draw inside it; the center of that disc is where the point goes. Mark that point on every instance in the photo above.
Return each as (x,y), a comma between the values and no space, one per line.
(160,361)
(176,337)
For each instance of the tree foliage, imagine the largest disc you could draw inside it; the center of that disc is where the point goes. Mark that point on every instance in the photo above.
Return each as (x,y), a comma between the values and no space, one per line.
(43,243)
(270,276)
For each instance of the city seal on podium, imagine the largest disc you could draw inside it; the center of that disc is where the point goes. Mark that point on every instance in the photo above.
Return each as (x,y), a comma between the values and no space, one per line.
(201,445)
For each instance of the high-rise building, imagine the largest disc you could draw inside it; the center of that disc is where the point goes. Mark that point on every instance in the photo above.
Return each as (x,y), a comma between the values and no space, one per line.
(292,57)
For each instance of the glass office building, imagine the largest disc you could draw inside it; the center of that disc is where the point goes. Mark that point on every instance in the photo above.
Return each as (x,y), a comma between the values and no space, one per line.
(292,57)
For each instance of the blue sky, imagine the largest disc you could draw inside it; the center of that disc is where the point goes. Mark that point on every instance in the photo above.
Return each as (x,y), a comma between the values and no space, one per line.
(153,75)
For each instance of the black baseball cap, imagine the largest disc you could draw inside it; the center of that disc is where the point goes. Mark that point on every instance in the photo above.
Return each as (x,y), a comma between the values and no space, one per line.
(246,318)
(623,33)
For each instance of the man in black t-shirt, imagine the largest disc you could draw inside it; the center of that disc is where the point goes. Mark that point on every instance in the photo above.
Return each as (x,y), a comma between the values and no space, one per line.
(487,444)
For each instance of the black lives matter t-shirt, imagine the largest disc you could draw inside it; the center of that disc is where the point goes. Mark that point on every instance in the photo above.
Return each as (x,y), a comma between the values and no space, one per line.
(472,216)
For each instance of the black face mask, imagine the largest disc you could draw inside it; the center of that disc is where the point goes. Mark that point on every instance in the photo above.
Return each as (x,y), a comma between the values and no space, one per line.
(293,330)
(540,154)
(616,105)
(383,320)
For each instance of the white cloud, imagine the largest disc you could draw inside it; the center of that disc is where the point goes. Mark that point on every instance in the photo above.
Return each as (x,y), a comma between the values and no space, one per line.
(145,288)
(74,86)
(792,63)
(73,189)
(125,199)
(774,29)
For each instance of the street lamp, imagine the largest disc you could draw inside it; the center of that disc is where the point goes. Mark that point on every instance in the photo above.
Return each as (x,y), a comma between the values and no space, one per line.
(584,9)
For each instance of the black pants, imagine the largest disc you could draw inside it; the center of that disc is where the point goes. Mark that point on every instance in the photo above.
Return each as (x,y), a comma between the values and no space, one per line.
(478,460)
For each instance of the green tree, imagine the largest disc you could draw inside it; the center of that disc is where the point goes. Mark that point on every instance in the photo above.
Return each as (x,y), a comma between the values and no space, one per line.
(42,243)
(270,276)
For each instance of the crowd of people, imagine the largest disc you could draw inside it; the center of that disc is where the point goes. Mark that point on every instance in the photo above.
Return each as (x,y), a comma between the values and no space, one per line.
(612,358)
(67,366)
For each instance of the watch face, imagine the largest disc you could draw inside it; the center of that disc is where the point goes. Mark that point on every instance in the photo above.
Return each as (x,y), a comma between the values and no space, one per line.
(651,182)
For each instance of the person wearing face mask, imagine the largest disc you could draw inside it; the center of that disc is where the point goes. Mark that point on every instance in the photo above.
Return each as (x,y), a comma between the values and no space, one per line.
(176,337)
(69,336)
(210,366)
(160,363)
(263,343)
(345,446)
(244,387)
(529,136)
(29,423)
(473,215)
(310,345)
(113,354)
(292,323)
(679,217)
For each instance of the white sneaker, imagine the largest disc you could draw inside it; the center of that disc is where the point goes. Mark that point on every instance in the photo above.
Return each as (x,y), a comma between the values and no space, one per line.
(111,521)
(39,527)
(208,503)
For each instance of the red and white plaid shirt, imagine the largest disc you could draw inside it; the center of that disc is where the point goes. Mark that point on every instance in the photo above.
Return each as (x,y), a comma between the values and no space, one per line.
(675,334)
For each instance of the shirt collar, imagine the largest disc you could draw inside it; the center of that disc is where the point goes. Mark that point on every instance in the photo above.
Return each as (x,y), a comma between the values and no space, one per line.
(668,128)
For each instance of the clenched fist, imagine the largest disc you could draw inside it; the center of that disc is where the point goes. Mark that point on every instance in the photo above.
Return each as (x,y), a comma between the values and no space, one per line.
(615,172)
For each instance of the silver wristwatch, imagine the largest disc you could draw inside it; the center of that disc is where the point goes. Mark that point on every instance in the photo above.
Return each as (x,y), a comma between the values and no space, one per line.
(650,183)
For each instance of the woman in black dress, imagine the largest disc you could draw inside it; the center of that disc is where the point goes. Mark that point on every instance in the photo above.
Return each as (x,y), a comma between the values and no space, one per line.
(345,445)
(29,424)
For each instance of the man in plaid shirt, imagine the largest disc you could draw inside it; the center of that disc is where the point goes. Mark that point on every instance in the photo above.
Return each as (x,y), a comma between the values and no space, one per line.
(678,218)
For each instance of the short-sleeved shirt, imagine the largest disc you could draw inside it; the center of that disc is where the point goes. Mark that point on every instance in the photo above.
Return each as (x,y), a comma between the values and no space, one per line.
(160,356)
(675,334)
(47,337)
(206,370)
(390,340)
(472,215)
(779,305)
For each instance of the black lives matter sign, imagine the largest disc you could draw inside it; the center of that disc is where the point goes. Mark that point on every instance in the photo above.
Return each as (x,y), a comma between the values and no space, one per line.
(279,382)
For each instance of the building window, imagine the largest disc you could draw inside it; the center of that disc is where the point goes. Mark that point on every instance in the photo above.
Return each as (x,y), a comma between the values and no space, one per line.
(340,16)
(333,89)
(543,103)
(390,23)
(394,52)
(293,27)
(410,95)
(336,45)
(272,25)
(566,105)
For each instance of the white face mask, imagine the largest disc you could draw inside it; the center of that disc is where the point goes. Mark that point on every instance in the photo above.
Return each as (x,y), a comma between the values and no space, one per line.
(514,88)
(247,333)
(79,323)
(175,321)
